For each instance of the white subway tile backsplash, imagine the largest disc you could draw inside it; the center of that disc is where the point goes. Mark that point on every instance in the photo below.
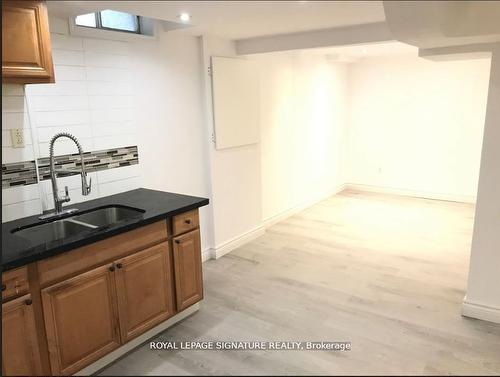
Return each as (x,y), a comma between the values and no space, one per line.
(68,72)
(106,142)
(97,59)
(110,102)
(14,104)
(66,42)
(15,120)
(76,197)
(21,209)
(66,147)
(115,187)
(7,140)
(106,74)
(92,98)
(17,154)
(111,175)
(59,118)
(79,131)
(61,88)
(68,57)
(106,46)
(109,88)
(111,115)
(56,103)
(110,129)
(73,182)
(16,194)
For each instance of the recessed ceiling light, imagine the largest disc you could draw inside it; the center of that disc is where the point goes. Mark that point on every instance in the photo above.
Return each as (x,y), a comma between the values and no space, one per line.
(184,17)
(364,51)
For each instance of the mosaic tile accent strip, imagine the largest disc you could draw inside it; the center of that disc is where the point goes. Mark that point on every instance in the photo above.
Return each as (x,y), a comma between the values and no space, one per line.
(24,173)
(18,174)
(70,164)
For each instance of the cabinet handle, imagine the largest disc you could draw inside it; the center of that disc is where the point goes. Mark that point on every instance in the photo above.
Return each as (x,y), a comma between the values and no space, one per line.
(187,221)
(112,268)
(4,287)
(119,265)
(177,241)
(28,301)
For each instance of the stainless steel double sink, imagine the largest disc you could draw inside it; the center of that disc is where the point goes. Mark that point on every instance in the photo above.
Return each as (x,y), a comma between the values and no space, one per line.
(76,224)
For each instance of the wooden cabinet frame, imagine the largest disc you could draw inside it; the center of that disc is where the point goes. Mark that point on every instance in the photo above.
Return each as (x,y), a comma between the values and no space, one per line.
(107,275)
(19,17)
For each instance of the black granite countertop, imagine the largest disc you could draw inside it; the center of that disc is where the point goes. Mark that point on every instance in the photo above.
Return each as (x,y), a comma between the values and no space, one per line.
(157,205)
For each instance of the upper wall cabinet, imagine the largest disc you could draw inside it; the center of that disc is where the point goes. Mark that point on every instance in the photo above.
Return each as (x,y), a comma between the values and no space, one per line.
(26,49)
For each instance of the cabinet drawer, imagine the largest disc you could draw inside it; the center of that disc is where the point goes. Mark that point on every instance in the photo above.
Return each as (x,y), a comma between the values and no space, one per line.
(86,257)
(14,283)
(185,222)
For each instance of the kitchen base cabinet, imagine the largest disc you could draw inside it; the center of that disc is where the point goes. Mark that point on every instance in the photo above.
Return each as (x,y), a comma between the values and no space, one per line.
(187,265)
(81,320)
(144,290)
(101,297)
(20,354)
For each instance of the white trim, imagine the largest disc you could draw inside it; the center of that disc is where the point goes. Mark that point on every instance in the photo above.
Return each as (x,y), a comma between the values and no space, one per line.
(206,255)
(478,311)
(236,242)
(270,221)
(413,193)
(110,357)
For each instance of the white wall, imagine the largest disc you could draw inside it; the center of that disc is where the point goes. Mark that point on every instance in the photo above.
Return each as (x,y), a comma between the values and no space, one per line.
(483,290)
(235,172)
(172,135)
(416,126)
(303,130)
(21,200)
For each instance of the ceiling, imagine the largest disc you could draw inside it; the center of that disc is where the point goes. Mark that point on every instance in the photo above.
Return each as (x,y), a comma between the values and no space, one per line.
(239,19)
(366,50)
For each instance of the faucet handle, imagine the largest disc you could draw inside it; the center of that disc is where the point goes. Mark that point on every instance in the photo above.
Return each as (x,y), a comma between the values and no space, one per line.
(66,197)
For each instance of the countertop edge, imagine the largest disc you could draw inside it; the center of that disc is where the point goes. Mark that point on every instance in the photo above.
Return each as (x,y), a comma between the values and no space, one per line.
(99,236)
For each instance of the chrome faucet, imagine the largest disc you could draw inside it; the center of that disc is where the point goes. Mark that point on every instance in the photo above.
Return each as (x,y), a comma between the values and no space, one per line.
(86,187)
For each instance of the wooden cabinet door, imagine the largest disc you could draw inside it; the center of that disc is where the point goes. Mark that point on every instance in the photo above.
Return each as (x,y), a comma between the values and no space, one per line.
(81,320)
(26,48)
(144,287)
(20,354)
(187,267)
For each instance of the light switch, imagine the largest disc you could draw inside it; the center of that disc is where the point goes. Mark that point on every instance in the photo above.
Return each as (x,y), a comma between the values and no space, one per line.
(17,138)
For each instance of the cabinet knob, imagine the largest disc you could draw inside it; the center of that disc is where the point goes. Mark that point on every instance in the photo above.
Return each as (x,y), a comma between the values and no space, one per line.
(4,287)
(177,241)
(28,301)
(187,221)
(119,265)
(112,268)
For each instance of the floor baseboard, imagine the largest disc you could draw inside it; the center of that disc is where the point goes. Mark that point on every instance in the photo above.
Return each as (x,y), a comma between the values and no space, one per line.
(478,311)
(219,251)
(412,193)
(270,221)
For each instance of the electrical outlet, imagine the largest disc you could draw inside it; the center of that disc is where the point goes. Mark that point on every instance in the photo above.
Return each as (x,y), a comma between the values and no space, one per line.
(17,138)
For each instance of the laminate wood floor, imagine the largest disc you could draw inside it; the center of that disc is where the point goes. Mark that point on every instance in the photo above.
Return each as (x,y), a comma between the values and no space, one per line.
(387,273)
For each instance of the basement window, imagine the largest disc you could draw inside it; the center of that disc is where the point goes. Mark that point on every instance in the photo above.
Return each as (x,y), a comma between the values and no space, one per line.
(110,20)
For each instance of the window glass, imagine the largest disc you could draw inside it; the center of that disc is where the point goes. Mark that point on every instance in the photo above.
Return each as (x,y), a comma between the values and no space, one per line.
(119,20)
(86,20)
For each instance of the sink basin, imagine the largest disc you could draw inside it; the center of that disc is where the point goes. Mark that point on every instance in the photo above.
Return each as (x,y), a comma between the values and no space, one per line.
(52,231)
(108,215)
(92,219)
